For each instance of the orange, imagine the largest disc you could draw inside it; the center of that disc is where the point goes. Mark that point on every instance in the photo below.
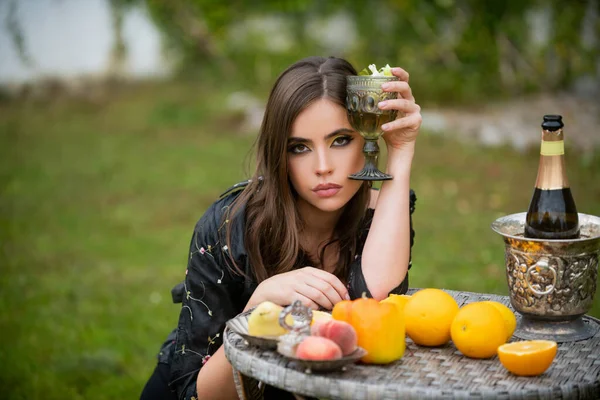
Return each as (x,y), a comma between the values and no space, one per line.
(478,329)
(399,300)
(527,358)
(510,321)
(428,315)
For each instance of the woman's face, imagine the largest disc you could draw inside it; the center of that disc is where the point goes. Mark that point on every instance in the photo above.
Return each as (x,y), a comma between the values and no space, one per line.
(323,150)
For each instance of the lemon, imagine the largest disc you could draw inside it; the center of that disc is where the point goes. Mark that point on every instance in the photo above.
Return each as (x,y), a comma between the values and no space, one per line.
(264,320)
(319,315)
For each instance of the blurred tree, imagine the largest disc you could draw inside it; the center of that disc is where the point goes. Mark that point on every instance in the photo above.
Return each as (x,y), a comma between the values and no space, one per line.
(459,48)
(201,29)
(118,53)
(15,31)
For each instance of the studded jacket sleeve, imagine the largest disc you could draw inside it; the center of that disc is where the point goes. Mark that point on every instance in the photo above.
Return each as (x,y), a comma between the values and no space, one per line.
(210,297)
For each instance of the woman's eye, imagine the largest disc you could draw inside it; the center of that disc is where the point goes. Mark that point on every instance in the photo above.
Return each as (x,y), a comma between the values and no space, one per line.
(342,140)
(298,149)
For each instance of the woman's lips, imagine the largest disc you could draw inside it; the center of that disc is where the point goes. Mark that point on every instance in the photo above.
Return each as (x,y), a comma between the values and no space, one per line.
(327,190)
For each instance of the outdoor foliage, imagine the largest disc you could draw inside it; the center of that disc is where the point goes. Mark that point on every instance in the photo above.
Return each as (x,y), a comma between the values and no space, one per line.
(457,49)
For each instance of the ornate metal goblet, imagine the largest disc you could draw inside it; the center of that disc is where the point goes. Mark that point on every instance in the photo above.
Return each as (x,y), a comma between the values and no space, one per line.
(363,95)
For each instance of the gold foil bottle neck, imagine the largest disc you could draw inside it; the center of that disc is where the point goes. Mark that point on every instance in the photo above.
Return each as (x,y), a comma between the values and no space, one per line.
(551,171)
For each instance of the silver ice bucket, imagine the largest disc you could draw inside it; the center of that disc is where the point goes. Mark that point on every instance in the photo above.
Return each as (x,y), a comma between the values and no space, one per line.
(550,280)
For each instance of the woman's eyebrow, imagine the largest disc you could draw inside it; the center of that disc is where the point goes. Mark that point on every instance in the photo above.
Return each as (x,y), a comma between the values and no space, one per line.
(337,132)
(293,140)
(296,139)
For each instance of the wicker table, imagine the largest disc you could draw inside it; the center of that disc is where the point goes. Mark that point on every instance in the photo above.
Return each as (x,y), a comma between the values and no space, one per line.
(424,373)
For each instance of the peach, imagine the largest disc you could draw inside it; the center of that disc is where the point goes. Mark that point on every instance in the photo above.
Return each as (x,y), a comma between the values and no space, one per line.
(315,328)
(342,333)
(318,349)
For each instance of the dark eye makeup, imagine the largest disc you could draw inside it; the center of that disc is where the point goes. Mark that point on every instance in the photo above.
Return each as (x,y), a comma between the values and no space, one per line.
(342,140)
(298,148)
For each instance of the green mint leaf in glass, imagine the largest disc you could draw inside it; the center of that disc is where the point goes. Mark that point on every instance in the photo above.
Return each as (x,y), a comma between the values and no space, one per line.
(387,70)
(364,72)
(372,70)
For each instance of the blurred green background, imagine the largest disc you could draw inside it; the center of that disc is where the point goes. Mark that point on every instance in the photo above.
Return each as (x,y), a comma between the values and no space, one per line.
(99,192)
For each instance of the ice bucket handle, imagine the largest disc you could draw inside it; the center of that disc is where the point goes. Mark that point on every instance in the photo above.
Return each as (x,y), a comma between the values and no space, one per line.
(543,264)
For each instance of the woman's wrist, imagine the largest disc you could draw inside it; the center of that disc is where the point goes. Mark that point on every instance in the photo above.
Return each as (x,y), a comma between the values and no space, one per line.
(399,160)
(254,300)
(251,303)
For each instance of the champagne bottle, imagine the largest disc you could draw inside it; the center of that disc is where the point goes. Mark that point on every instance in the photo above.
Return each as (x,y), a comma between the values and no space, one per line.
(552,213)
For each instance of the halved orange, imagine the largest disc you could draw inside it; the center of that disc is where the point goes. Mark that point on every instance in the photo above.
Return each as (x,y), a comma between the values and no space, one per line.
(528,357)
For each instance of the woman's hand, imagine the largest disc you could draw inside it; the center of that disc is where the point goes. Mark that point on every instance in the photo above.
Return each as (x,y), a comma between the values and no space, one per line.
(314,287)
(405,128)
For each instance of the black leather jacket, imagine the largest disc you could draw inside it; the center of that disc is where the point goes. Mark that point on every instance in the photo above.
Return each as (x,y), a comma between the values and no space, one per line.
(211,294)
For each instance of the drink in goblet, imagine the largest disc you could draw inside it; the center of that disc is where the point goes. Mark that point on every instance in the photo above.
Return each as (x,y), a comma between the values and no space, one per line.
(363,94)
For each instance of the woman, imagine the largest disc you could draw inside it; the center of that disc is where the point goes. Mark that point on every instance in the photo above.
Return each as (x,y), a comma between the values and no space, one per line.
(299,229)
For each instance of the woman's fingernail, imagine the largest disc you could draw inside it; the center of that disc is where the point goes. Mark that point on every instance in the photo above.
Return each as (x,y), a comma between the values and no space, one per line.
(395,70)
(382,104)
(347,297)
(385,86)
(385,127)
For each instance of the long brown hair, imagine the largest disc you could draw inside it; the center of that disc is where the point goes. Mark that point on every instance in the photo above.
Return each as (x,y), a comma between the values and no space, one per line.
(272,222)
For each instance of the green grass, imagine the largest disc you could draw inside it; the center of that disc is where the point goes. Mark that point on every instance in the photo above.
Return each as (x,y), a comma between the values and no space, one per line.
(98,201)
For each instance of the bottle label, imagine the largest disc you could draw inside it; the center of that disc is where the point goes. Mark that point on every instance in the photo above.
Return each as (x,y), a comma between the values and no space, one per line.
(554,148)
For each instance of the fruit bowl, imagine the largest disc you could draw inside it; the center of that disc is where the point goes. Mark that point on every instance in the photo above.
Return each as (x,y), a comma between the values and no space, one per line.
(239,325)
(325,365)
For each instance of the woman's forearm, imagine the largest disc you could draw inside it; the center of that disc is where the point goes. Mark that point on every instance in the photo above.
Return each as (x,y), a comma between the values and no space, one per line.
(215,379)
(387,250)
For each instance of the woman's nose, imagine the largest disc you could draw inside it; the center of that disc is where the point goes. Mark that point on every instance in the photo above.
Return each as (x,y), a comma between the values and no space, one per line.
(324,165)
